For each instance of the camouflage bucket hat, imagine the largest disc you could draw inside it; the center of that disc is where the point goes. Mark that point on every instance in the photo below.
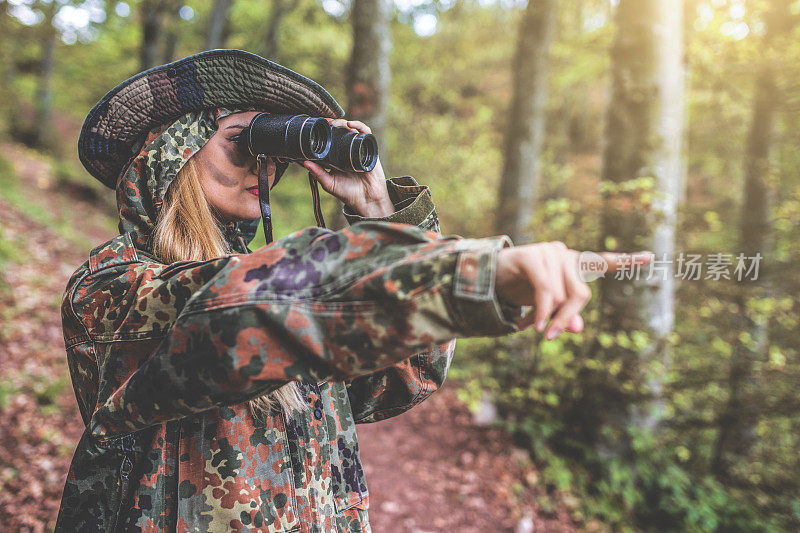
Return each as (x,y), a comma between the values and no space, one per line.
(116,127)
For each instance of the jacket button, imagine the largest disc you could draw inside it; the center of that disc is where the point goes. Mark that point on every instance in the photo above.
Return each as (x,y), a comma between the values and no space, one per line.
(318,414)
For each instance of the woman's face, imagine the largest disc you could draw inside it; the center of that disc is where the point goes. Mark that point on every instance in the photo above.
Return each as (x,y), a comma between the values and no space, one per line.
(228,178)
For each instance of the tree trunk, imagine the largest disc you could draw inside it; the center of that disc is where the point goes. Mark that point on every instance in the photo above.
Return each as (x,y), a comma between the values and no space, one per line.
(271,41)
(368,74)
(737,431)
(152,13)
(9,105)
(216,24)
(641,174)
(271,44)
(172,32)
(42,126)
(526,125)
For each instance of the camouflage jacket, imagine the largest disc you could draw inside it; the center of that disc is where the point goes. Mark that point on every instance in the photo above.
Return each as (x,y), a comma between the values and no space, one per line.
(164,358)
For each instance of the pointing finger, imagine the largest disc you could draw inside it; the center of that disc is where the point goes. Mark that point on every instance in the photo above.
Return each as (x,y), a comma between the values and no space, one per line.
(617,261)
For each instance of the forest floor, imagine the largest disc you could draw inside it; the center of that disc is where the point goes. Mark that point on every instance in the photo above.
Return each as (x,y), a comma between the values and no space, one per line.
(431,469)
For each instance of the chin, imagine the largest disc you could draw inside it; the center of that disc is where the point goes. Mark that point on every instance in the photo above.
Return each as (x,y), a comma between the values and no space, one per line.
(241,217)
(251,209)
(243,214)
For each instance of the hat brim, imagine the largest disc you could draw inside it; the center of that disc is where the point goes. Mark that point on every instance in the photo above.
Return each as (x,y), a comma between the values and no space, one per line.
(115,128)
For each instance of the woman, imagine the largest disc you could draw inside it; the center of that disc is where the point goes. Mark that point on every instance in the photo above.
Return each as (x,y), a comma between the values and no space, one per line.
(220,388)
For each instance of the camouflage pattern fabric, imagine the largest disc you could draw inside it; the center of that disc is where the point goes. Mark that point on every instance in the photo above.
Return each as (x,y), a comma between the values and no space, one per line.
(165,357)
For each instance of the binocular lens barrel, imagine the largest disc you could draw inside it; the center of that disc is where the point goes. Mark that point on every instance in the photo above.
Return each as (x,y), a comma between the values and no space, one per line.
(352,152)
(319,138)
(301,138)
(291,137)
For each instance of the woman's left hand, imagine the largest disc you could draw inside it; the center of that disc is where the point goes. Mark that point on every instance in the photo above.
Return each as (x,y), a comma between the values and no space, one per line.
(365,193)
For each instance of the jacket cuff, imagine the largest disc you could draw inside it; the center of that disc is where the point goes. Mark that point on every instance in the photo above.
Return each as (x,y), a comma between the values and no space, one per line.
(475,303)
(412,203)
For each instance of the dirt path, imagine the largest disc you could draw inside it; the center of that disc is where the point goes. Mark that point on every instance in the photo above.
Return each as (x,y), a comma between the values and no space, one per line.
(433,469)
(430,469)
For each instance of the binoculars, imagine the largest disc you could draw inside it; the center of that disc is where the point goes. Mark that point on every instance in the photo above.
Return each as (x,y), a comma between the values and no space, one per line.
(304,138)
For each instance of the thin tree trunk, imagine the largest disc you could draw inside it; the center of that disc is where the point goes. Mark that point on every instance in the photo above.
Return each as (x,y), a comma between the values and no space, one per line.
(368,73)
(526,126)
(216,24)
(152,13)
(271,44)
(659,316)
(689,12)
(44,99)
(737,431)
(577,115)
(643,140)
(10,107)
(172,31)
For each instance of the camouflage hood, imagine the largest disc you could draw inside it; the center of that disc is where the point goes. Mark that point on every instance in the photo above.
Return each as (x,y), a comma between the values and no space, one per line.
(143,184)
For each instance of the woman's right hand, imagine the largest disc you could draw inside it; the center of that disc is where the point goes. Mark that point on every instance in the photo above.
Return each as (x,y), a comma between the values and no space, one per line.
(545,275)
(365,193)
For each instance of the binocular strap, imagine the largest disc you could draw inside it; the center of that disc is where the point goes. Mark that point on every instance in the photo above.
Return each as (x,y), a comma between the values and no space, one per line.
(314,184)
(263,199)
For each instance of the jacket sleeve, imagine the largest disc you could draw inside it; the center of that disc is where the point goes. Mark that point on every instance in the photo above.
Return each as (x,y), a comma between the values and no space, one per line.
(399,387)
(315,306)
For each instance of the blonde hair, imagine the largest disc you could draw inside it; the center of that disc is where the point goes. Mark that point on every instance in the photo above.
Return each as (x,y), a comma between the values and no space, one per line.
(187,230)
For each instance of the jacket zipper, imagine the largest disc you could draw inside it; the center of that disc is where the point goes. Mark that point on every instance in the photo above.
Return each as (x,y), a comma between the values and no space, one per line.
(124,473)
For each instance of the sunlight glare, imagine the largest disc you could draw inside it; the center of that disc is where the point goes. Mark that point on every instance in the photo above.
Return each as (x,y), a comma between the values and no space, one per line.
(737,11)
(122,9)
(334,7)
(25,14)
(736,30)
(425,24)
(186,13)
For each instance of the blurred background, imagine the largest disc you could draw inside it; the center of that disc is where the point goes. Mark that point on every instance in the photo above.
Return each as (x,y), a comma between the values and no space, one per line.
(668,125)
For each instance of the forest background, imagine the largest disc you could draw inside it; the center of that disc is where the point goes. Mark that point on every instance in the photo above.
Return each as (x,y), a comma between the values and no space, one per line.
(667,125)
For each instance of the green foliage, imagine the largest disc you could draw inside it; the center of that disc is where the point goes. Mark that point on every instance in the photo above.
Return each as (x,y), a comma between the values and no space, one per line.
(12,192)
(9,252)
(556,396)
(544,400)
(292,206)
(43,389)
(448,123)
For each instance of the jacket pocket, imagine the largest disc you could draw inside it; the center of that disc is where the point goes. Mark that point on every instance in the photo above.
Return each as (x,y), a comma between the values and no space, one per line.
(247,478)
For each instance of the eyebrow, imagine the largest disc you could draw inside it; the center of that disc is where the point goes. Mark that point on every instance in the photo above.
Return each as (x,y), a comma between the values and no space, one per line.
(240,126)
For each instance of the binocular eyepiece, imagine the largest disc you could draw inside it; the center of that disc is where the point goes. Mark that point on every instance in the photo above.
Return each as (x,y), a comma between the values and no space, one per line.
(301,138)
